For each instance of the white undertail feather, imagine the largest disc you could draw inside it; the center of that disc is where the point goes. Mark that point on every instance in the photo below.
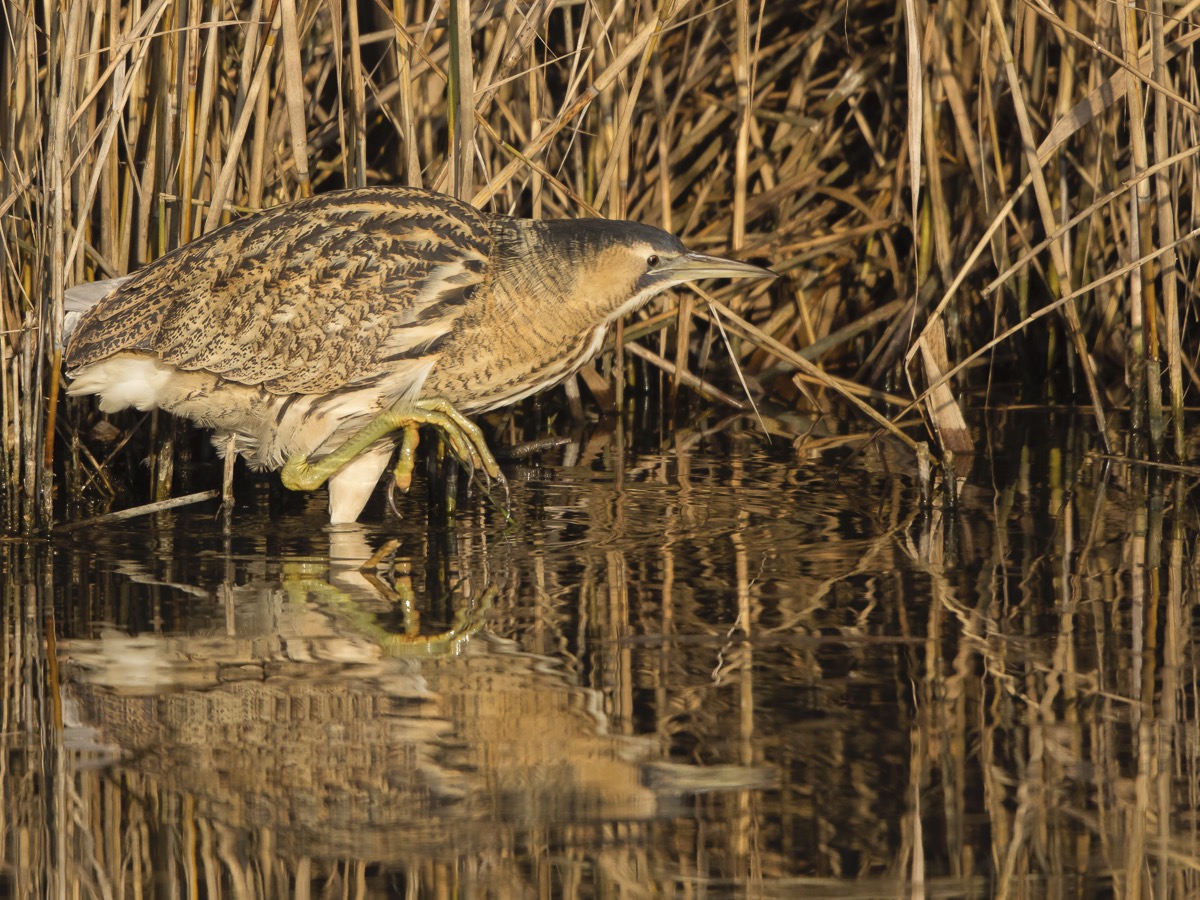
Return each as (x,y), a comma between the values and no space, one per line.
(270,429)
(124,381)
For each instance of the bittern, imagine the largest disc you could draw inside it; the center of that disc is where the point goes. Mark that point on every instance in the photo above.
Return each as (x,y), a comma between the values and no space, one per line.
(307,335)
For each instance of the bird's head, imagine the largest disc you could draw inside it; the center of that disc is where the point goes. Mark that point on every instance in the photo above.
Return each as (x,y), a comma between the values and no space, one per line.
(619,266)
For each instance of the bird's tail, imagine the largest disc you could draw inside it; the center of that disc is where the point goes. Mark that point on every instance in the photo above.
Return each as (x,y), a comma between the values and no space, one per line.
(82,297)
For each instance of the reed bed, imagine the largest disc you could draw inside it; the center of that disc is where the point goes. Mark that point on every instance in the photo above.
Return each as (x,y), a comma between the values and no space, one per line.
(969,203)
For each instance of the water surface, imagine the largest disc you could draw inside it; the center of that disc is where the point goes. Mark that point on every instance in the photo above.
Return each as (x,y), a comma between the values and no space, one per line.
(719,669)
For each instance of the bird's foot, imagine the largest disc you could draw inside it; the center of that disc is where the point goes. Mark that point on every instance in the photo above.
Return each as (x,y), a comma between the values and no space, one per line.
(468,446)
(464,437)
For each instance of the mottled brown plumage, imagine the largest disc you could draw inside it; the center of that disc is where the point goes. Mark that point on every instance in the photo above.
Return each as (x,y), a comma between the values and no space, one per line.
(295,328)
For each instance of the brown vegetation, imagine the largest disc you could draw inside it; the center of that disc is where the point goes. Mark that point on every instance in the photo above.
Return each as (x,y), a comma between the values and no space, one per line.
(1021,197)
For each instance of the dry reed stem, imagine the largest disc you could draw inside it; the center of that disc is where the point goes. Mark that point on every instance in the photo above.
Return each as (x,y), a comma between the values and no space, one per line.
(1166,218)
(1053,307)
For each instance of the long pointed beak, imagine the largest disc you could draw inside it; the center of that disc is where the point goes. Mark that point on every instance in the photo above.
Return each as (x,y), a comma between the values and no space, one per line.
(694,266)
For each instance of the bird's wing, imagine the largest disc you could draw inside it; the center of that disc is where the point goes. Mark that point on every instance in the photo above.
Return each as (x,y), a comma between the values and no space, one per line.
(305,298)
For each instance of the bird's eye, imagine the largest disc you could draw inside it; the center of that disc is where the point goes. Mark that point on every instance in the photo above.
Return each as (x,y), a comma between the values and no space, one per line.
(652,260)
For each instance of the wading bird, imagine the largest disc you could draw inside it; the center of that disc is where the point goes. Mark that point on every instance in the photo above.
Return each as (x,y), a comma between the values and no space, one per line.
(307,335)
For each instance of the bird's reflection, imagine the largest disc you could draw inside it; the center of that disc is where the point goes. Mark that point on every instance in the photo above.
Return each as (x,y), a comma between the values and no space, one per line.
(360,576)
(324,714)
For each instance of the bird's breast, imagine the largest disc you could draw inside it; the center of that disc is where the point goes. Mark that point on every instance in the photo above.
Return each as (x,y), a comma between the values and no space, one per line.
(499,365)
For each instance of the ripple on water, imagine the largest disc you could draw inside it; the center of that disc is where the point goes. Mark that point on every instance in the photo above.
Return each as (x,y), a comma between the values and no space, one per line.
(717,670)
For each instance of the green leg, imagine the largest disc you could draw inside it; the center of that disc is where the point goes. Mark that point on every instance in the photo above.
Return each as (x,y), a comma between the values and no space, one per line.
(465,439)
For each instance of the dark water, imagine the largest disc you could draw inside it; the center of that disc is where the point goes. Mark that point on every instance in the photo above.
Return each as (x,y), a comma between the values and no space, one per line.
(722,670)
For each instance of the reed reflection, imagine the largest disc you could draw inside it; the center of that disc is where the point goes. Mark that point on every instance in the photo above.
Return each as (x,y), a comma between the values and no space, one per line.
(743,673)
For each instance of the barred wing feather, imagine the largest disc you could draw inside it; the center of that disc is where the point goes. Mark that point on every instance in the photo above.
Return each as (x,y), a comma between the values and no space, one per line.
(328,292)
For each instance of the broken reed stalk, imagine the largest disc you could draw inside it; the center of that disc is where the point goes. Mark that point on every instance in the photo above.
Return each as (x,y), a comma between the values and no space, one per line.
(758,129)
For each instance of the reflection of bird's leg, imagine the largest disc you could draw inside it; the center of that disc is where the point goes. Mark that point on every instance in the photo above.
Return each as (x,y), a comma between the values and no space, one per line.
(465,438)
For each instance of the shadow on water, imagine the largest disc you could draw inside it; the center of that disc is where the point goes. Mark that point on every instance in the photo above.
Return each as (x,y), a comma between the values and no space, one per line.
(739,674)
